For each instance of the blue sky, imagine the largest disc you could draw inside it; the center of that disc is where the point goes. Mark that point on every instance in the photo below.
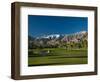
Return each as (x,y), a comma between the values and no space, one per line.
(41,25)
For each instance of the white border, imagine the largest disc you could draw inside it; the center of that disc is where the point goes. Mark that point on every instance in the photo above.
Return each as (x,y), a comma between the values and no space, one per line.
(25,70)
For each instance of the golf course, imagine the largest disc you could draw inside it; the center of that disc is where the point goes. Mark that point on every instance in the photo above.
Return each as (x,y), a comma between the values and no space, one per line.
(57,56)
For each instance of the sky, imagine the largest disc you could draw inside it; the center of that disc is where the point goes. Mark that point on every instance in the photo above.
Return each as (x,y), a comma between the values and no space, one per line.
(44,25)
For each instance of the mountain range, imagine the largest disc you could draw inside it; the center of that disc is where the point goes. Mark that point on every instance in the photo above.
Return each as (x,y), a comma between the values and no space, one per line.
(61,35)
(57,39)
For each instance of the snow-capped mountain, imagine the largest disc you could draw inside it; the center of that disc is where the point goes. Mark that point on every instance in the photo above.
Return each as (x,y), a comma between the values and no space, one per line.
(54,40)
(51,36)
(81,32)
(75,37)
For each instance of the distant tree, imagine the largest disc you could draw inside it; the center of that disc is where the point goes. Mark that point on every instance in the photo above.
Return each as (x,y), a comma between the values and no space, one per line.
(85,44)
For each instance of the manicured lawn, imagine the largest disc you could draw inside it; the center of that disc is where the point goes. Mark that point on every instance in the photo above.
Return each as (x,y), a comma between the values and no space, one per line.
(57,56)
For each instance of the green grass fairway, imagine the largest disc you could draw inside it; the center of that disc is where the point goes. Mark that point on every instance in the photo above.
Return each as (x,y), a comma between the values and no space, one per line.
(57,56)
